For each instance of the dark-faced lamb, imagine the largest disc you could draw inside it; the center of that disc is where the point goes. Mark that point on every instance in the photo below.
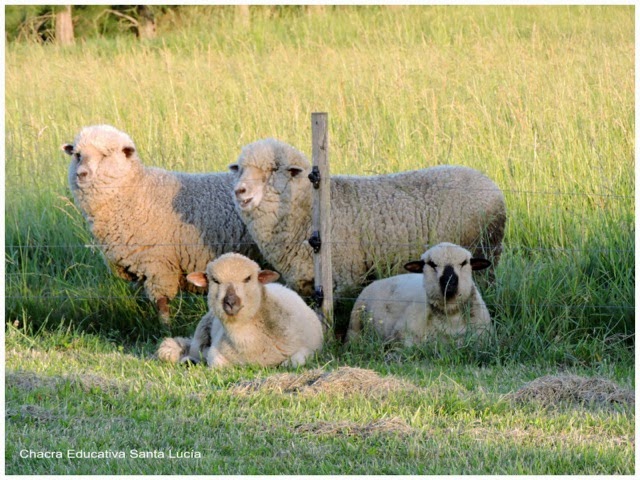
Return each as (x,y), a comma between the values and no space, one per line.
(438,299)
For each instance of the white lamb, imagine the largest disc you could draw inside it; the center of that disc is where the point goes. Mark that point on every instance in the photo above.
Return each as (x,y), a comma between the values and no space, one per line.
(250,320)
(152,225)
(439,299)
(384,218)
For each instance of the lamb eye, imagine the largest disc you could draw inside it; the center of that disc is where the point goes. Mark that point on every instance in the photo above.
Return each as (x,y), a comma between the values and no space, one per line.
(78,156)
(464,263)
(215,280)
(431,264)
(248,279)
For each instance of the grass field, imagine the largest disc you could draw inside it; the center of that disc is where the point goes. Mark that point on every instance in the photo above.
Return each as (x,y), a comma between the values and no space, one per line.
(541,99)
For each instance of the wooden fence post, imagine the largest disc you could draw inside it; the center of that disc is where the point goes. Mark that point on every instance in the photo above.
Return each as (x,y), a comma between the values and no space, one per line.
(64,26)
(321,237)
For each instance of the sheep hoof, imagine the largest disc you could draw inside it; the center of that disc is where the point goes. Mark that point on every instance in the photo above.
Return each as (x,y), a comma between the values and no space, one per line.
(188,361)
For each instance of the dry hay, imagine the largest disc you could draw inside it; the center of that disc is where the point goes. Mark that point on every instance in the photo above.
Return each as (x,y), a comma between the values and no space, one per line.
(343,381)
(30,412)
(553,389)
(28,381)
(352,429)
(89,383)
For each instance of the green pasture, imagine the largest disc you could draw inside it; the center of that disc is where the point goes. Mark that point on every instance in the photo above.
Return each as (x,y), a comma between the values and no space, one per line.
(541,99)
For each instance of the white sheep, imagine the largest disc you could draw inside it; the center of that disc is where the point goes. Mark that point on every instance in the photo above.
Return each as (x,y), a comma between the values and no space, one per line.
(438,299)
(152,225)
(250,320)
(384,218)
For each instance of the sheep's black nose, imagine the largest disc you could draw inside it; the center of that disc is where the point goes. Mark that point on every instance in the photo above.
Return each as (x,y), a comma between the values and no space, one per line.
(449,282)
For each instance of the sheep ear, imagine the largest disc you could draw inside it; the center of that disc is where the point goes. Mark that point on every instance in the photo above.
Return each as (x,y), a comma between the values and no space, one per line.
(268,276)
(479,263)
(128,151)
(234,167)
(416,266)
(199,279)
(294,171)
(67,148)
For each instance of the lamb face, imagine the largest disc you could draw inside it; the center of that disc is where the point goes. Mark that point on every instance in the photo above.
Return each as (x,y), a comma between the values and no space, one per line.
(235,287)
(447,270)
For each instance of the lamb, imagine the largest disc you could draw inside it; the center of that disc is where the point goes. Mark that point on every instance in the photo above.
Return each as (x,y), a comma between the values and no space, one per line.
(250,319)
(438,299)
(377,218)
(152,225)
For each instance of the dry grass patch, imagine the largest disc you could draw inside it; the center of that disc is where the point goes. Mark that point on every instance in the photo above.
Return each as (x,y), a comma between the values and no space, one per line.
(343,381)
(31,412)
(554,389)
(352,429)
(29,381)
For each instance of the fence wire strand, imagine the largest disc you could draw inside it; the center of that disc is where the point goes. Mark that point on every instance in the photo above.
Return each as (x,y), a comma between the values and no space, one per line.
(309,299)
(221,245)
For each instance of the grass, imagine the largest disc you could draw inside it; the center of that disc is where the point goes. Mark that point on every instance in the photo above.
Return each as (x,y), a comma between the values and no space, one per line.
(541,99)
(81,392)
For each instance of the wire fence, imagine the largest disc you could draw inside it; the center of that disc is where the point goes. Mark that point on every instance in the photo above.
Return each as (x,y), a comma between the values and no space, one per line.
(173,185)
(310,299)
(94,246)
(100,246)
(97,247)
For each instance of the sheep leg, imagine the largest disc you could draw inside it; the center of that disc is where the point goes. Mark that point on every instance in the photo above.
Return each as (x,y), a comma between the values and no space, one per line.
(162,304)
(202,338)
(173,349)
(161,289)
(355,322)
(297,359)
(215,357)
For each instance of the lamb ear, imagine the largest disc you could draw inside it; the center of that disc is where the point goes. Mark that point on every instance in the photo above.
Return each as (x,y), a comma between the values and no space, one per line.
(416,266)
(199,279)
(479,263)
(67,148)
(128,151)
(294,171)
(268,276)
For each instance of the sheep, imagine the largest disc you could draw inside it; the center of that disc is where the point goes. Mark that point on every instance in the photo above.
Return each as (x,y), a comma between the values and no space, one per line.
(250,320)
(376,218)
(152,225)
(438,299)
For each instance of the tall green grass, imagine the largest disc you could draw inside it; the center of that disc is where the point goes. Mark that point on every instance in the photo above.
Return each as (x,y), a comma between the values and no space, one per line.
(541,99)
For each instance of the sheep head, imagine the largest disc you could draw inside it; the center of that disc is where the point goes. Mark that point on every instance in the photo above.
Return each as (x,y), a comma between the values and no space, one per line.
(267,170)
(235,286)
(447,270)
(102,157)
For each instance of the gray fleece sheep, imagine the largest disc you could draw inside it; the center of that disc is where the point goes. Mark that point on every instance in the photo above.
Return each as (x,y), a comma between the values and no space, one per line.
(378,218)
(438,298)
(152,225)
(250,320)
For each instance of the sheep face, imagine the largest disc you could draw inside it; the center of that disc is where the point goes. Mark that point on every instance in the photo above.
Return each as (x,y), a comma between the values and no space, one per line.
(249,187)
(266,168)
(101,155)
(235,287)
(447,270)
